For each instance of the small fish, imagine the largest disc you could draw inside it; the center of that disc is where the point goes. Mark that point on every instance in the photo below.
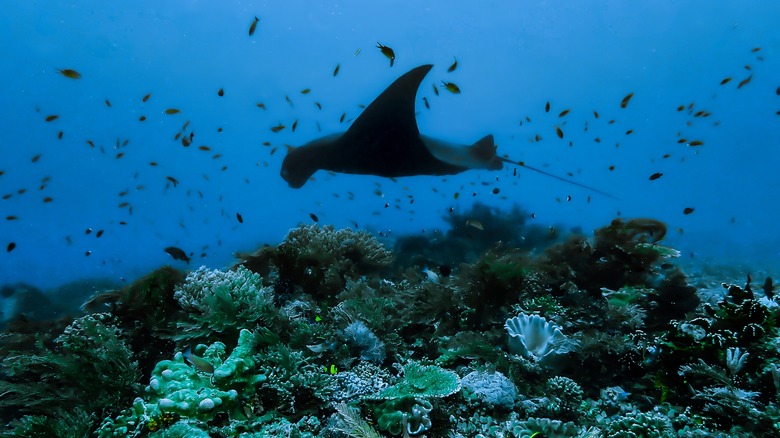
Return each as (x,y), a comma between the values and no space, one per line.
(624,102)
(696,143)
(108,103)
(777,91)
(432,276)
(453,66)
(755,49)
(547,107)
(48,199)
(177,254)
(240,218)
(357,52)
(69,73)
(559,131)
(629,132)
(563,113)
(725,81)
(11,218)
(425,101)
(294,125)
(655,176)
(186,140)
(12,245)
(142,119)
(343,116)
(306,91)
(452,88)
(277,128)
(261,105)
(744,81)
(99,233)
(475,224)
(146,97)
(253,26)
(51,118)
(171,111)
(435,90)
(204,148)
(314,217)
(198,362)
(336,70)
(221,92)
(387,51)
(596,114)
(680,108)
(687,210)
(318,105)
(172,180)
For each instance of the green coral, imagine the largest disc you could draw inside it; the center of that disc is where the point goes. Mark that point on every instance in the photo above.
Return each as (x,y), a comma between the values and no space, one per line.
(182,391)
(218,302)
(408,415)
(89,367)
(422,381)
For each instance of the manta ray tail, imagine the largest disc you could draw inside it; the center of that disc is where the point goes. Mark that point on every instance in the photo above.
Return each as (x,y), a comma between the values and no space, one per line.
(566,180)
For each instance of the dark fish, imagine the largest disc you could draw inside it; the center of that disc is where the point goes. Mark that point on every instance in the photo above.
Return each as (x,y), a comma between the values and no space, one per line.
(277,128)
(314,217)
(146,97)
(253,26)
(336,70)
(177,254)
(199,363)
(387,51)
(142,119)
(11,218)
(47,199)
(108,103)
(12,245)
(655,176)
(696,143)
(452,88)
(624,102)
(240,218)
(221,92)
(744,81)
(725,81)
(69,73)
(172,180)
(687,210)
(563,113)
(453,66)
(435,90)
(294,125)
(596,114)
(680,108)
(768,288)
(204,148)
(99,233)
(559,131)
(51,118)
(547,107)
(186,140)
(261,105)
(172,111)
(425,101)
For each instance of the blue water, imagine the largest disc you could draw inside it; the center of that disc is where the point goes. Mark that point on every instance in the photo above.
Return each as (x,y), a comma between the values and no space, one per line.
(513,58)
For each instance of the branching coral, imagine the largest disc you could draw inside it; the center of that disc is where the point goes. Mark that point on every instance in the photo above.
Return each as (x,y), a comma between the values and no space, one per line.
(89,366)
(217,303)
(320,259)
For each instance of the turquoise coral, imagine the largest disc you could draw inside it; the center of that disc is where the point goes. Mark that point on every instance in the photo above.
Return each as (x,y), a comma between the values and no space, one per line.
(177,388)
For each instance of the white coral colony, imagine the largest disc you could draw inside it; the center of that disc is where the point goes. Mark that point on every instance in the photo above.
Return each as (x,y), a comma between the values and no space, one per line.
(535,338)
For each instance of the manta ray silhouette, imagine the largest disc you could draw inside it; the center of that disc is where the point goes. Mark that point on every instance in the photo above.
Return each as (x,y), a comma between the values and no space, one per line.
(385,141)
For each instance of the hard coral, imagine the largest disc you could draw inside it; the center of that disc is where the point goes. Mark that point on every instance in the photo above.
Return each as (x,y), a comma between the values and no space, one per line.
(218,302)
(320,259)
(533,337)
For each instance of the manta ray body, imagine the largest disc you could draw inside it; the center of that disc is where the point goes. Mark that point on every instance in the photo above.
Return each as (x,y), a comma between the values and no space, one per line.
(385,141)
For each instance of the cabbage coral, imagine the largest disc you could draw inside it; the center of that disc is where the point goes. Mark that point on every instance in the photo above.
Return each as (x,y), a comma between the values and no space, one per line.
(533,337)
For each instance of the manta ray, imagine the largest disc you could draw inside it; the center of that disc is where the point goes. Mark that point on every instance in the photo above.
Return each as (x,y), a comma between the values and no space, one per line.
(385,141)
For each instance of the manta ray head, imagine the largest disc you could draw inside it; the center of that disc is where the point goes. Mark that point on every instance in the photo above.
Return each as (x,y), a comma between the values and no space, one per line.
(301,162)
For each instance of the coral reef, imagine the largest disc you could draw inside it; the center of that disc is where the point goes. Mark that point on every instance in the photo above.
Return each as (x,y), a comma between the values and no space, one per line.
(328,335)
